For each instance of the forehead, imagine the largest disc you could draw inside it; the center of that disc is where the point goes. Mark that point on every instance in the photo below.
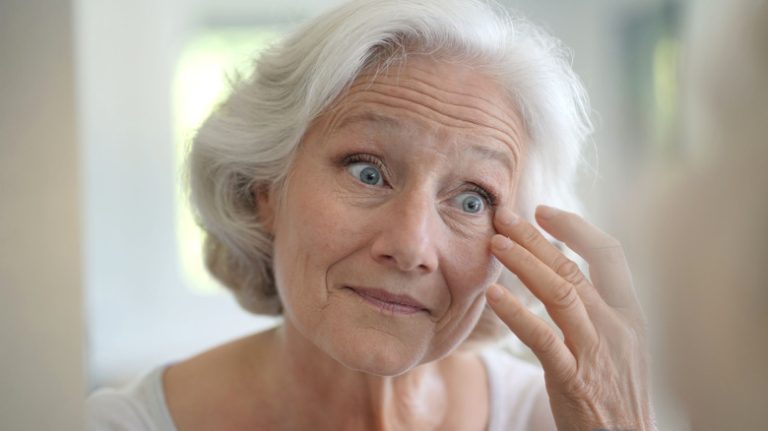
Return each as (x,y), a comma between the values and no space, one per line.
(445,99)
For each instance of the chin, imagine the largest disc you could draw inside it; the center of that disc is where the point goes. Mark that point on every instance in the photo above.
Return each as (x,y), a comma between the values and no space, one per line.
(379,354)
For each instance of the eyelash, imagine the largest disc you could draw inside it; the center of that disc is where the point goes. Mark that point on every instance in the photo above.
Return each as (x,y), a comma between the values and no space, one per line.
(362,157)
(490,197)
(366,158)
(487,195)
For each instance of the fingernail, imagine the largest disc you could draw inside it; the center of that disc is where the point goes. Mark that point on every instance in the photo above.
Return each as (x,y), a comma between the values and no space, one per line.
(500,242)
(506,217)
(495,292)
(546,212)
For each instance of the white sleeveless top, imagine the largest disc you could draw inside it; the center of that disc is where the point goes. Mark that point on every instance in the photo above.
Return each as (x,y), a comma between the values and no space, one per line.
(518,398)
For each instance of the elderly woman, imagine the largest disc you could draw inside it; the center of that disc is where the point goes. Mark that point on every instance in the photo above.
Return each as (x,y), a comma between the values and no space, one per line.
(371,182)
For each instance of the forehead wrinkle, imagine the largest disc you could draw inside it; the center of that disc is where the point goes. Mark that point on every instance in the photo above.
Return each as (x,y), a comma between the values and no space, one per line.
(415,71)
(375,118)
(367,116)
(510,141)
(508,129)
(441,90)
(451,104)
(336,118)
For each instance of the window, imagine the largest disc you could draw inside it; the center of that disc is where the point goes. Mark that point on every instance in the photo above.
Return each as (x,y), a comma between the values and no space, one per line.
(207,64)
(150,300)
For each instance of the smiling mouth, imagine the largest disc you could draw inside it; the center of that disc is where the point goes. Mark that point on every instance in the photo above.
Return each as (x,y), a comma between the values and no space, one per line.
(385,301)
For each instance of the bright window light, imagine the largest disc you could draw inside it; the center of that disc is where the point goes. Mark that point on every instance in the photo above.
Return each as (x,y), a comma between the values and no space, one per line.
(207,64)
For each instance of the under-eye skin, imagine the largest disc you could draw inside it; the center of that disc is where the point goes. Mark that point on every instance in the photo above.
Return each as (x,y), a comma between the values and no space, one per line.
(365,168)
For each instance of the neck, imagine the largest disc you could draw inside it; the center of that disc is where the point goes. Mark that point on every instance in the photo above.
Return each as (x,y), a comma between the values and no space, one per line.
(324,394)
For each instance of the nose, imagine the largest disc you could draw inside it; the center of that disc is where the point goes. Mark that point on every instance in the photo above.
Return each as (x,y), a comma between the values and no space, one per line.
(407,239)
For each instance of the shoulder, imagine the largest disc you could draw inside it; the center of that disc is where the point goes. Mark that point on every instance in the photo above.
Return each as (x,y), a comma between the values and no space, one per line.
(222,388)
(139,406)
(467,391)
(518,396)
(207,386)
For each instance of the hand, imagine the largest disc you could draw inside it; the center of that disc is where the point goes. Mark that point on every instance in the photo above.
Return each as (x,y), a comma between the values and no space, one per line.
(596,374)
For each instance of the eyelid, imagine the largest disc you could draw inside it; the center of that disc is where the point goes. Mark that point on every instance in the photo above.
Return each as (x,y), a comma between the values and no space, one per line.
(367,158)
(489,196)
(362,157)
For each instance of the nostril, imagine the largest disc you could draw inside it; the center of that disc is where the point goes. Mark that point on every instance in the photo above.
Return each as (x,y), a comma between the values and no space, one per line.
(387,259)
(404,250)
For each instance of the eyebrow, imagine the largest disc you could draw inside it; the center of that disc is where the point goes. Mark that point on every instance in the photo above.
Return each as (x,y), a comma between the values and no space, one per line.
(369,117)
(391,123)
(490,153)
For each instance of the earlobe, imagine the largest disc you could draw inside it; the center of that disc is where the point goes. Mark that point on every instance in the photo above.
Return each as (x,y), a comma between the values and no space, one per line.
(265,207)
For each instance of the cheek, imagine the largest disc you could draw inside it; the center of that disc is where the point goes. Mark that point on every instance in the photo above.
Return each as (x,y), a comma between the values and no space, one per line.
(311,234)
(471,271)
(321,225)
(472,265)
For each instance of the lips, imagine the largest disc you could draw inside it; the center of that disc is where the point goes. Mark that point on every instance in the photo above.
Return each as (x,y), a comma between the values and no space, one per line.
(391,301)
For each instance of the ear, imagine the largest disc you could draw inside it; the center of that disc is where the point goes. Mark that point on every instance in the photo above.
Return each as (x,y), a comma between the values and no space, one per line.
(265,206)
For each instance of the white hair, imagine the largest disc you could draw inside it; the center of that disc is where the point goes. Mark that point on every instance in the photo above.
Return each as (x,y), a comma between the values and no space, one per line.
(248,142)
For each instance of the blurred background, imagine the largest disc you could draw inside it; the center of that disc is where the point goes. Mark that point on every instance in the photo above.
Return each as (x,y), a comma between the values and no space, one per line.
(100,260)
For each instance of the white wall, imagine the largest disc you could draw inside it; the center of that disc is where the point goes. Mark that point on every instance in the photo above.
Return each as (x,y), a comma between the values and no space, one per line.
(42,376)
(140,312)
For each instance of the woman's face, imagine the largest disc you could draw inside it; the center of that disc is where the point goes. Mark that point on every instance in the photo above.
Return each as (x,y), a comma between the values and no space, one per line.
(393,192)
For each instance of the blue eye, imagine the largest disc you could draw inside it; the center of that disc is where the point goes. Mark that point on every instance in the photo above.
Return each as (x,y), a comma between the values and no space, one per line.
(366,173)
(470,202)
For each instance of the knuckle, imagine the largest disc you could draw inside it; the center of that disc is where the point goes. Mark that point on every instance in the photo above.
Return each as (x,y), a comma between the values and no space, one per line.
(569,270)
(526,258)
(530,235)
(634,338)
(565,296)
(639,321)
(545,340)
(578,387)
(609,249)
(610,243)
(515,312)
(572,379)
